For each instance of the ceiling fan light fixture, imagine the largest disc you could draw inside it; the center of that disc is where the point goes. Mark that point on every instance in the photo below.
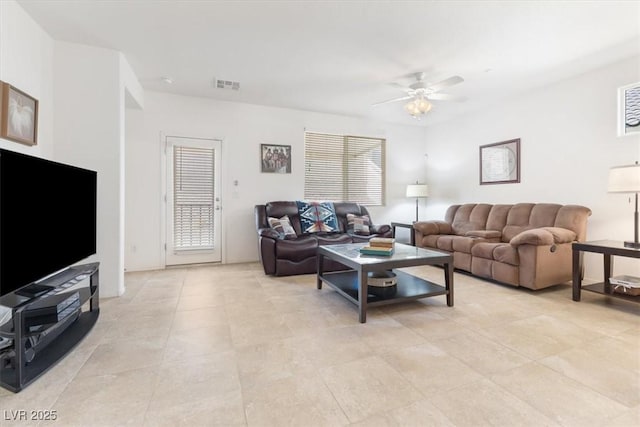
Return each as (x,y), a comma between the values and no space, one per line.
(423,105)
(417,107)
(420,93)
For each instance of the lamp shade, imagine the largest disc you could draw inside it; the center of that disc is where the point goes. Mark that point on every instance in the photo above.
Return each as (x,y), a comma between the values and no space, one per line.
(624,179)
(417,190)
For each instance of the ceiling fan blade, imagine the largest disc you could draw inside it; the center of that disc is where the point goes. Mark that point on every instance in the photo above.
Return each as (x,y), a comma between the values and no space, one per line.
(446,83)
(402,98)
(445,97)
(399,86)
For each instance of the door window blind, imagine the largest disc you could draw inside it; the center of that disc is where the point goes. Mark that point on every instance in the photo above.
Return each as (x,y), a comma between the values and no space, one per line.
(193,197)
(344,168)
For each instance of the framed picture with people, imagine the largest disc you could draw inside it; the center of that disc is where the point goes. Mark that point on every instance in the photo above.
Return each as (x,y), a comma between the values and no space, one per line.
(275,158)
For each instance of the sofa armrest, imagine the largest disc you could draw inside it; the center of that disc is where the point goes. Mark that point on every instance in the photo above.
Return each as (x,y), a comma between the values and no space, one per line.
(561,235)
(268,232)
(433,227)
(484,234)
(380,229)
(543,236)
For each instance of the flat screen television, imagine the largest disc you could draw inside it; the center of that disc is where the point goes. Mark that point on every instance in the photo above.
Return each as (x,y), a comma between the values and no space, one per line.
(47,218)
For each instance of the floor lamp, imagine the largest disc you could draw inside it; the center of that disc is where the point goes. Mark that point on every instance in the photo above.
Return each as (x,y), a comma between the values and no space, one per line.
(626,179)
(419,191)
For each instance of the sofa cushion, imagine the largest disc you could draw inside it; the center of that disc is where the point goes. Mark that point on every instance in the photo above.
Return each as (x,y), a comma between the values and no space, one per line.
(283,227)
(544,214)
(470,217)
(484,234)
(317,217)
(574,218)
(463,244)
(517,221)
(507,254)
(298,249)
(484,250)
(501,252)
(445,243)
(429,241)
(333,239)
(358,224)
(497,218)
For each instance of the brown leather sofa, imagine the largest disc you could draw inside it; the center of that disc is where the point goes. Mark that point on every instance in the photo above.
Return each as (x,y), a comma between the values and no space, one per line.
(284,257)
(525,244)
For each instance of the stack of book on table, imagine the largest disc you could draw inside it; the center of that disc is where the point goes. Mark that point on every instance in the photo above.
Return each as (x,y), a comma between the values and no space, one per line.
(629,285)
(379,246)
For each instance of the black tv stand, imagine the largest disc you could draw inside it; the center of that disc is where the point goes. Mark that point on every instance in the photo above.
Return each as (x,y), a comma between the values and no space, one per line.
(45,328)
(33,290)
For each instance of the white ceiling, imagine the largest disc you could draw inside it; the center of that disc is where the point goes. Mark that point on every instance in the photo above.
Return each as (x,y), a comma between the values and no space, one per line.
(341,56)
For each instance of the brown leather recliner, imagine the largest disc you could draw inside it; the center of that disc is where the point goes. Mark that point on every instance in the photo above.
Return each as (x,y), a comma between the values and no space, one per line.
(284,257)
(526,244)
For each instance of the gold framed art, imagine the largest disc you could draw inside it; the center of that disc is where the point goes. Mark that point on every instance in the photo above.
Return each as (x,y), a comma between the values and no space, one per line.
(18,115)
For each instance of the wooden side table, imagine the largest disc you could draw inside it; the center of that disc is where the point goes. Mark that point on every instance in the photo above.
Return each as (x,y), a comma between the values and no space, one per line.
(408,225)
(608,248)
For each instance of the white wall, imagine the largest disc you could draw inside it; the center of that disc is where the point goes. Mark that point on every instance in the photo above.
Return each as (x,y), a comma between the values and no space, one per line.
(26,55)
(568,143)
(90,86)
(242,128)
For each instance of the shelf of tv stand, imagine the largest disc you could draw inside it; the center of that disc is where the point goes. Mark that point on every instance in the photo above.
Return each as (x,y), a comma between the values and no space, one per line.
(7,330)
(55,351)
(56,339)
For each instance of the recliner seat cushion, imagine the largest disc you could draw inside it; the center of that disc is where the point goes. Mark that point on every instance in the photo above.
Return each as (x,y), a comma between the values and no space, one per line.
(297,250)
(502,252)
(333,239)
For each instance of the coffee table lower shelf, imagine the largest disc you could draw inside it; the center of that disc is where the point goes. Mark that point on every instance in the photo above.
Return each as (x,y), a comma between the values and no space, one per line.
(408,288)
(600,288)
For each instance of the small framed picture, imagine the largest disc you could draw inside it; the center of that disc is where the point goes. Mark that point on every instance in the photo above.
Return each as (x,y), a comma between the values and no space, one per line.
(500,162)
(275,158)
(629,109)
(18,115)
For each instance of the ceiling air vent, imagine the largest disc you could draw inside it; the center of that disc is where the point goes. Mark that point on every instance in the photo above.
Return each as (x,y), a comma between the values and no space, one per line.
(226,84)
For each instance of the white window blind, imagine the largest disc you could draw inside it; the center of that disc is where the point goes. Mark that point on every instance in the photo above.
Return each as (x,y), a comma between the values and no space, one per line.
(344,168)
(193,197)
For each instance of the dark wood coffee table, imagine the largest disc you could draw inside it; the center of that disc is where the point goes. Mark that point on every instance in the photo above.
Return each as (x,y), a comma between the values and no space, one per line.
(352,284)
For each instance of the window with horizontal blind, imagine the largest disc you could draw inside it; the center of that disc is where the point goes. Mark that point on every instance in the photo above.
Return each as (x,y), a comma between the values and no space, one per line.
(193,197)
(344,168)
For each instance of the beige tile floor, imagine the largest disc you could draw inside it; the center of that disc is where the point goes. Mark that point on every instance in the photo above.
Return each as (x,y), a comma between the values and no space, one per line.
(227,345)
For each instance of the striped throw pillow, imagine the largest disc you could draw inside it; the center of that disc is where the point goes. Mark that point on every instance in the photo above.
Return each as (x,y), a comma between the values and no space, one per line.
(358,224)
(283,227)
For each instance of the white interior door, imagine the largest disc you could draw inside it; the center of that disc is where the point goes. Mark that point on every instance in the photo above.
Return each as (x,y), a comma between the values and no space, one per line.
(193,201)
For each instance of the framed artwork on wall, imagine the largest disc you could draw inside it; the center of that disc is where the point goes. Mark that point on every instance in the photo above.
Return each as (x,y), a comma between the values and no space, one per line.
(500,162)
(629,109)
(275,158)
(18,115)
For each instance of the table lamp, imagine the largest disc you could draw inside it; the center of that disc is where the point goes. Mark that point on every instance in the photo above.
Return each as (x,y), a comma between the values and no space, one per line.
(626,179)
(418,191)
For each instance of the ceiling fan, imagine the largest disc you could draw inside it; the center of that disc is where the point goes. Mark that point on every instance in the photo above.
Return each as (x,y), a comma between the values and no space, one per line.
(421,92)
